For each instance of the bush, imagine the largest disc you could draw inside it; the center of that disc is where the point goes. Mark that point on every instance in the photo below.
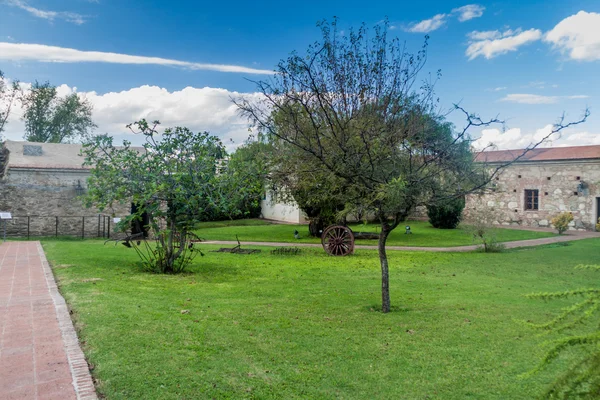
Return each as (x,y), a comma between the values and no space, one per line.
(561,222)
(598,225)
(446,214)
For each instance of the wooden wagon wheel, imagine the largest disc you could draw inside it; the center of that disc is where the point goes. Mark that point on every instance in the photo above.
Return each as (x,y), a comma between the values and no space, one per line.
(338,240)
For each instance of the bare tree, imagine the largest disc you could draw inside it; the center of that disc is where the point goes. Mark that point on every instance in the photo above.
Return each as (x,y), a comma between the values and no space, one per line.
(354,108)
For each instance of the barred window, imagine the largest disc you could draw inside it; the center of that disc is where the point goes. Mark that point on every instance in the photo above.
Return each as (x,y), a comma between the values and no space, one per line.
(531,199)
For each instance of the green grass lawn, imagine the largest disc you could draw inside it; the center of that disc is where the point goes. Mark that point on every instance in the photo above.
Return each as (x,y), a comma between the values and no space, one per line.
(423,233)
(282,327)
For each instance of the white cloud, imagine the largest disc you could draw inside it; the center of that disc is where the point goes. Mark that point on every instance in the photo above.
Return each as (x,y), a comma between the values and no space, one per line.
(525,98)
(580,139)
(468,12)
(43,53)
(48,15)
(428,25)
(484,35)
(200,109)
(515,138)
(494,43)
(578,36)
(499,88)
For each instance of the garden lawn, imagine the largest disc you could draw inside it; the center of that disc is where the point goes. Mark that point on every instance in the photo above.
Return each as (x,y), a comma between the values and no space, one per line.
(423,233)
(263,326)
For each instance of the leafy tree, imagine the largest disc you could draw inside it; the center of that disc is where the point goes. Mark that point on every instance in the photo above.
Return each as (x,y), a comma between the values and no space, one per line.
(9,94)
(249,166)
(53,119)
(582,379)
(446,214)
(174,182)
(354,110)
(298,179)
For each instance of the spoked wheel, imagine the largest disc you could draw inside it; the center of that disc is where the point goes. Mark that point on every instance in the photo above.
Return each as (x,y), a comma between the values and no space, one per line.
(338,240)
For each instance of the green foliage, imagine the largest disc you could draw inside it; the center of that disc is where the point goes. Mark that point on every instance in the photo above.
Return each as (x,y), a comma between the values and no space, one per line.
(561,222)
(248,166)
(598,225)
(50,118)
(446,214)
(582,379)
(177,181)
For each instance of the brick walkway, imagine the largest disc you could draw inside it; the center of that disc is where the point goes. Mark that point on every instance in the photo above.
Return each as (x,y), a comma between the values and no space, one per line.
(40,357)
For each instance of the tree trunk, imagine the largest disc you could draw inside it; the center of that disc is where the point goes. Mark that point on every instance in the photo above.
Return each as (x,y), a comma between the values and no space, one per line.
(316,226)
(385,276)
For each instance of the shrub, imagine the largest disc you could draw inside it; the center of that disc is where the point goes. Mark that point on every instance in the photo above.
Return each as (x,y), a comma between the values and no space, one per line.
(561,222)
(446,214)
(598,225)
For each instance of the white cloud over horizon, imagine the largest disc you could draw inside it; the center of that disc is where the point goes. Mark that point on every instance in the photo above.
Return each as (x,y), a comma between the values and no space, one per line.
(515,138)
(489,44)
(199,109)
(43,53)
(526,98)
(210,109)
(72,17)
(578,36)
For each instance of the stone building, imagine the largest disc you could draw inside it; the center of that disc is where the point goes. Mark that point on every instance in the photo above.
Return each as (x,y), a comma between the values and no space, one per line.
(543,183)
(40,184)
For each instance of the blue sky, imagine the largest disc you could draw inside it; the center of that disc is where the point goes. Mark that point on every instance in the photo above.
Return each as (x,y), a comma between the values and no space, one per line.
(526,61)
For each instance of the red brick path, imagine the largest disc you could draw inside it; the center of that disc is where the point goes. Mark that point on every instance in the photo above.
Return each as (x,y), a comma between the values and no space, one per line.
(40,357)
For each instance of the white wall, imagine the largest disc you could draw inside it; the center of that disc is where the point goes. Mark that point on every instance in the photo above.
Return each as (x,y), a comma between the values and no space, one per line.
(284,212)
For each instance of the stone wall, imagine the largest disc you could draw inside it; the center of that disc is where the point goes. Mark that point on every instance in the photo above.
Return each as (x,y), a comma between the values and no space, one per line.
(50,199)
(558,185)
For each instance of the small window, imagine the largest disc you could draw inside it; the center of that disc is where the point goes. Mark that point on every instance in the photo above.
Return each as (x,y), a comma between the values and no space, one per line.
(549,178)
(575,193)
(531,199)
(514,190)
(578,178)
(545,193)
(519,176)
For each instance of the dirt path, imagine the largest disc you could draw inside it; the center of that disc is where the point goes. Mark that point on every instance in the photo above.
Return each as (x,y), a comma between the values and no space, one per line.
(567,237)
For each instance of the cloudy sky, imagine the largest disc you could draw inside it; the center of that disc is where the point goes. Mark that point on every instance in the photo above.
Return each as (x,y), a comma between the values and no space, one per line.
(526,62)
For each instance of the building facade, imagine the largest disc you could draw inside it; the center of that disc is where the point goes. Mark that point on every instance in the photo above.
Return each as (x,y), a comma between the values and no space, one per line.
(543,183)
(41,185)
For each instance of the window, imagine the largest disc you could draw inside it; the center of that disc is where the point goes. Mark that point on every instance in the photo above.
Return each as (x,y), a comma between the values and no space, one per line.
(531,199)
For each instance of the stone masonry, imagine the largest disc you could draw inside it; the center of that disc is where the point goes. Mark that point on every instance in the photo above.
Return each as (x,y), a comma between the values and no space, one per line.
(567,185)
(41,188)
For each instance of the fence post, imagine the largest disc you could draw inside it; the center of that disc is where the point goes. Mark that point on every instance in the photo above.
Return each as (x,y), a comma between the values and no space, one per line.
(98,225)
(108,230)
(28,227)
(57,226)
(83,227)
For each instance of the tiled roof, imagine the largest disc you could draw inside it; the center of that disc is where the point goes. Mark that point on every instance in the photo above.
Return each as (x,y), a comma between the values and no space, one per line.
(541,154)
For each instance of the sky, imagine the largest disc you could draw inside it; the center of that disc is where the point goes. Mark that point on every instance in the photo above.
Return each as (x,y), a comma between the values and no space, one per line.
(524,62)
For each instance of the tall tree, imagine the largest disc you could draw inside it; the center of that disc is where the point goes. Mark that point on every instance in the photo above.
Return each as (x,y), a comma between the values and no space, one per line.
(173,181)
(354,110)
(9,94)
(54,119)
